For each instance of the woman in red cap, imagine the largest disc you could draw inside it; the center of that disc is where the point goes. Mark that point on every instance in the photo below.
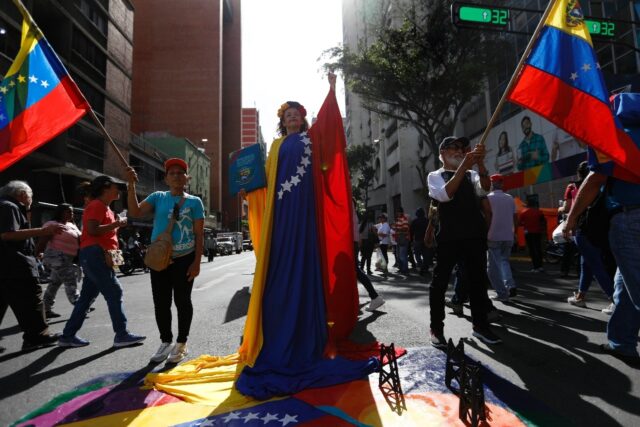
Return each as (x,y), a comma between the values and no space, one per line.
(176,281)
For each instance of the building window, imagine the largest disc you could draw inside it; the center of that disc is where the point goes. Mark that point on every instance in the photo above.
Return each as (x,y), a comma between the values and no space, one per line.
(394,169)
(88,53)
(93,14)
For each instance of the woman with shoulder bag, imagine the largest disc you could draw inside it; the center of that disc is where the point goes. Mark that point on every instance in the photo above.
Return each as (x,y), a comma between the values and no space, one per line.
(98,249)
(181,216)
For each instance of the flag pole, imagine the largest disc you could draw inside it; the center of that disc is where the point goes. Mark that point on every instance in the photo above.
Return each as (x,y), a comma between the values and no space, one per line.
(516,73)
(26,15)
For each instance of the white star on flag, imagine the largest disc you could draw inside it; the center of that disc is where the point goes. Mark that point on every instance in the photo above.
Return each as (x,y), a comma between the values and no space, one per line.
(307,150)
(12,83)
(280,194)
(269,417)
(289,419)
(306,140)
(586,67)
(208,423)
(33,79)
(44,83)
(574,76)
(301,170)
(305,161)
(231,416)
(251,416)
(4,89)
(2,117)
(286,186)
(295,180)
(598,65)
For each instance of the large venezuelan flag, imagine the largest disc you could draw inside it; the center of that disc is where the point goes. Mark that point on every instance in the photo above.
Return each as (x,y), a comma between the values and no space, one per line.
(38,99)
(561,81)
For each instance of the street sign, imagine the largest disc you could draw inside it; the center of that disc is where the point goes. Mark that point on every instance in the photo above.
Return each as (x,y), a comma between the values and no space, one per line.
(484,15)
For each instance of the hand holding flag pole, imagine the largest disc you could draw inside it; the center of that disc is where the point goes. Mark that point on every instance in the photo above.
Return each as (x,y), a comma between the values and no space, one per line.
(35,110)
(513,79)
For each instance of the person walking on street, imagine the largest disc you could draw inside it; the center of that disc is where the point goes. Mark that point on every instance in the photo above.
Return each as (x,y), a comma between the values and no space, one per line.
(384,235)
(461,236)
(97,242)
(19,287)
(176,281)
(60,250)
(401,228)
(210,247)
(535,227)
(500,240)
(368,239)
(376,300)
(417,232)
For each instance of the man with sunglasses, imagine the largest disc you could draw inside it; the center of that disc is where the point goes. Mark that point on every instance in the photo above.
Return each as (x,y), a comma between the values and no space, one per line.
(461,237)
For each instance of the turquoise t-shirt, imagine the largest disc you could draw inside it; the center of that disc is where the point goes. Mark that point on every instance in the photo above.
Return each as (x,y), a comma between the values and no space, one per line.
(182,235)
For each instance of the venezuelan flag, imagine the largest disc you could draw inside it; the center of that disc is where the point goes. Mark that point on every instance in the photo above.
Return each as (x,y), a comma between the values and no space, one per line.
(562,81)
(38,99)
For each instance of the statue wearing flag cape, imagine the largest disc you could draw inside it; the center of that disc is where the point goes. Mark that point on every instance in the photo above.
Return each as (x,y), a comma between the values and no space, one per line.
(304,300)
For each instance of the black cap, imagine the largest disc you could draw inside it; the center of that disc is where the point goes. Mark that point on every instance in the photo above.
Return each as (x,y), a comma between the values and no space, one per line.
(101,182)
(450,140)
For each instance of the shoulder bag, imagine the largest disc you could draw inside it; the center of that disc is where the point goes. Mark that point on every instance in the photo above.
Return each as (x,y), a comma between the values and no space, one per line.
(158,255)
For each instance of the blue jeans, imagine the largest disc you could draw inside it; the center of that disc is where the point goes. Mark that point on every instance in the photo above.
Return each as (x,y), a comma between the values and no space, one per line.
(624,324)
(98,279)
(498,267)
(403,254)
(592,265)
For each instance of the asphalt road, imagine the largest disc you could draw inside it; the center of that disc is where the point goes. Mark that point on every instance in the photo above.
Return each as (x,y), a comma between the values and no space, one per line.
(550,348)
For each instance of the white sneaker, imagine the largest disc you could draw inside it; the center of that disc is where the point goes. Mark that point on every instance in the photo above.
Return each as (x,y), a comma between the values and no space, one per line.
(178,353)
(162,353)
(375,303)
(609,309)
(578,302)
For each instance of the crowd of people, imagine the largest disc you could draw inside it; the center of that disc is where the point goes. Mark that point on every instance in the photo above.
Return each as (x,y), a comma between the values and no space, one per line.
(467,232)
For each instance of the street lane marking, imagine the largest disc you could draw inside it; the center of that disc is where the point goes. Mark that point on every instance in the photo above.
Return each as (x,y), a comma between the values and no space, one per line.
(215,282)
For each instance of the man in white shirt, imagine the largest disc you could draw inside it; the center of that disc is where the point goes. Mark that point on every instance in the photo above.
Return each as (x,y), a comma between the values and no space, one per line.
(500,240)
(461,237)
(384,234)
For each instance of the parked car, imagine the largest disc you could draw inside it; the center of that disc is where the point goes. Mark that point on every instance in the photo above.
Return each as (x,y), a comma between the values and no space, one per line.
(247,245)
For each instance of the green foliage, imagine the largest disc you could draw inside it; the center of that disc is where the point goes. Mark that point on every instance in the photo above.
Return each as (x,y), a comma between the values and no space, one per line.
(360,159)
(420,70)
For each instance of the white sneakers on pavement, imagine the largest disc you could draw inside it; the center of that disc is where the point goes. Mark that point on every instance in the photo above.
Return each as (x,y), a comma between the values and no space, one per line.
(178,353)
(375,303)
(162,353)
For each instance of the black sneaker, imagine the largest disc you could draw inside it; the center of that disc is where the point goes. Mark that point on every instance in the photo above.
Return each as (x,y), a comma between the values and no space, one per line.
(513,292)
(50,314)
(41,341)
(438,340)
(486,336)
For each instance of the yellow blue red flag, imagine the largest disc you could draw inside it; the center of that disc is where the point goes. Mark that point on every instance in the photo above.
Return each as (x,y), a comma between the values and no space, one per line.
(562,81)
(38,99)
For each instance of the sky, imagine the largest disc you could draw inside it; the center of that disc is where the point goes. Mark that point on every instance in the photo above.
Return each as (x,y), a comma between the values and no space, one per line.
(281,43)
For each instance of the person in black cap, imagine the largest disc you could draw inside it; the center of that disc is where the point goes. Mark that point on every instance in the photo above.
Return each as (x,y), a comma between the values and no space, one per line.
(461,236)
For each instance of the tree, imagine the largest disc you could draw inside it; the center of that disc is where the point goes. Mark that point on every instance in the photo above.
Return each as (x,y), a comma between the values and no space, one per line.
(421,71)
(360,158)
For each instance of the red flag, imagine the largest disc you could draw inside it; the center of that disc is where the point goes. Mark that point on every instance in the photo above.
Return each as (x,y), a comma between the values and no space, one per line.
(335,227)
(38,98)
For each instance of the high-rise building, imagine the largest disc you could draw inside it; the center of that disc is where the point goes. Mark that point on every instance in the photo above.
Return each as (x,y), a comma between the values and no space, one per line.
(94,40)
(251,129)
(187,82)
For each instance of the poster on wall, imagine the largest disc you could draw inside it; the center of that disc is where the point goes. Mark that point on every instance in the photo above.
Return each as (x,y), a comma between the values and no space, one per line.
(528,150)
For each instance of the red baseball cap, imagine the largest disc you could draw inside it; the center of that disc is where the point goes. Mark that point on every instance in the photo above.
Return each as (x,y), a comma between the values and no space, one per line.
(176,162)
(496,178)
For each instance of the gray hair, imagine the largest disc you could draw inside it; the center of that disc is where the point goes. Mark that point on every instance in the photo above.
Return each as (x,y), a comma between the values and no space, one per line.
(15,188)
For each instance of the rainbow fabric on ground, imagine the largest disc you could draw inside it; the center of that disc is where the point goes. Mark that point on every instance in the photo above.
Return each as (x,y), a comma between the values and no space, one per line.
(562,82)
(106,402)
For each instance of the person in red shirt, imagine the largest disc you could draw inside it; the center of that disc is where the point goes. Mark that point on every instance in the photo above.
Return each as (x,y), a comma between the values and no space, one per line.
(99,235)
(532,219)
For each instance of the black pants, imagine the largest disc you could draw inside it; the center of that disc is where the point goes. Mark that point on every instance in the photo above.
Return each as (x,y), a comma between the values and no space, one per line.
(367,251)
(534,244)
(24,296)
(363,278)
(473,254)
(169,283)
(210,254)
(384,249)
